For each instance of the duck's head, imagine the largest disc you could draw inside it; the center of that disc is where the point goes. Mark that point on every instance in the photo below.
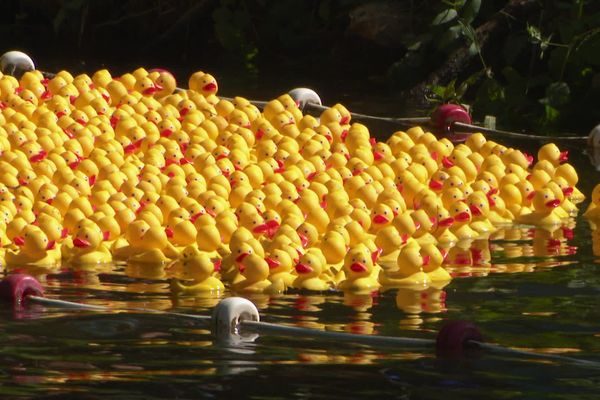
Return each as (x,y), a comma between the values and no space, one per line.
(310,264)
(358,262)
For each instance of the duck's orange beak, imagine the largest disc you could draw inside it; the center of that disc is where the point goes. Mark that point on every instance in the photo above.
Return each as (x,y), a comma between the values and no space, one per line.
(344,135)
(358,267)
(194,217)
(150,91)
(210,87)
(64,233)
(272,263)
(564,155)
(475,210)
(51,245)
(375,255)
(435,184)
(166,132)
(262,228)
(81,243)
(130,148)
(378,155)
(447,163)
(553,203)
(380,219)
(217,265)
(241,257)
(426,260)
(38,157)
(19,240)
(303,239)
(531,195)
(446,222)
(462,216)
(568,191)
(303,268)
(169,232)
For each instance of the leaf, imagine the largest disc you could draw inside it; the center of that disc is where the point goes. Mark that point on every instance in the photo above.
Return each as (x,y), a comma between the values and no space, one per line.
(445,16)
(450,92)
(448,38)
(534,33)
(558,94)
(470,10)
(473,49)
(552,114)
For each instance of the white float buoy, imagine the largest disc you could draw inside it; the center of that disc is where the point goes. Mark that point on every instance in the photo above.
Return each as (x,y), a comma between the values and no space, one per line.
(303,96)
(594,137)
(226,319)
(16,63)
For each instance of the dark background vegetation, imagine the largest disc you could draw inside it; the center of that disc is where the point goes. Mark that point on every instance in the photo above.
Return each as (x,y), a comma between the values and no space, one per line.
(535,64)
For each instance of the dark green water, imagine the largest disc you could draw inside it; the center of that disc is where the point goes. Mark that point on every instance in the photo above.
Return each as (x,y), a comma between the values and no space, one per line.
(548,300)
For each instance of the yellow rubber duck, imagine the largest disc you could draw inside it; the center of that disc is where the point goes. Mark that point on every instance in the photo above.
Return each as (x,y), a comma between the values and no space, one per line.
(34,248)
(281,265)
(592,212)
(198,267)
(552,153)
(309,268)
(568,172)
(544,209)
(432,263)
(479,204)
(358,267)
(442,231)
(408,271)
(461,228)
(255,273)
(88,247)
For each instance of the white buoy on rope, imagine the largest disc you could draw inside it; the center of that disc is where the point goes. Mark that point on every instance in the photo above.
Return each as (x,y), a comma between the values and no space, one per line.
(16,63)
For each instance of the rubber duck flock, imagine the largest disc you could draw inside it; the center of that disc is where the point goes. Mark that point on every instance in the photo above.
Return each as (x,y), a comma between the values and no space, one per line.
(101,169)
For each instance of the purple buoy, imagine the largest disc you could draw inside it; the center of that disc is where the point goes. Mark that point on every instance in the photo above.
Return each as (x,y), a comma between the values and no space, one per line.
(15,288)
(453,340)
(447,114)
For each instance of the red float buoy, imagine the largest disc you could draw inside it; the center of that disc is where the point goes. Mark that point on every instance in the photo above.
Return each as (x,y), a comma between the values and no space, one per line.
(447,114)
(15,288)
(457,337)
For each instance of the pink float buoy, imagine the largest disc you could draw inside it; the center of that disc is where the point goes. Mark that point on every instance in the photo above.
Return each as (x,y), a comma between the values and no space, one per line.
(15,288)
(447,114)
(456,338)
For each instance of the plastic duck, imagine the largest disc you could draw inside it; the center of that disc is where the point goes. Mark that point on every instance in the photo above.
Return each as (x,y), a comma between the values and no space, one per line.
(592,212)
(208,237)
(152,247)
(309,269)
(568,172)
(198,267)
(255,273)
(88,247)
(34,249)
(424,226)
(432,263)
(333,247)
(461,213)
(552,153)
(358,268)
(479,204)
(408,271)
(281,266)
(544,209)
(442,231)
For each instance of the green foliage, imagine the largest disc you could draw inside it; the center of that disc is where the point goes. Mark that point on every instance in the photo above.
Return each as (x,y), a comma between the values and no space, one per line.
(545,79)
